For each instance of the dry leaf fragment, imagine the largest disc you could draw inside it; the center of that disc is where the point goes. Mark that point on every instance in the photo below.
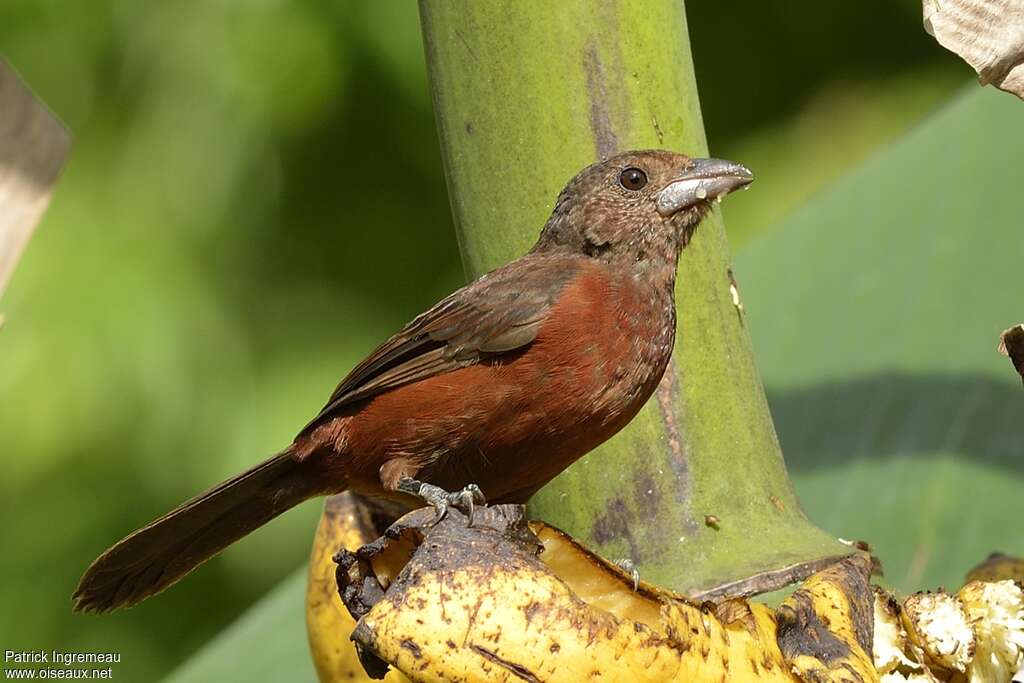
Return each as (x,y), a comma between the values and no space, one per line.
(33,147)
(1011,343)
(987,34)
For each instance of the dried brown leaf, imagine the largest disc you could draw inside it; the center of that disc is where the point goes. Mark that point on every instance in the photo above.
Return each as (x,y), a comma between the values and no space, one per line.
(33,147)
(1011,343)
(987,34)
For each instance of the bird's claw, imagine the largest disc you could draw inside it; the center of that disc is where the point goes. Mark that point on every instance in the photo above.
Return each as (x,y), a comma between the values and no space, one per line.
(629,566)
(465,500)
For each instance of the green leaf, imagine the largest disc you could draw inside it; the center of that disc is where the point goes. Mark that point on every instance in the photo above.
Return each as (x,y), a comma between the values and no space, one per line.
(267,643)
(875,313)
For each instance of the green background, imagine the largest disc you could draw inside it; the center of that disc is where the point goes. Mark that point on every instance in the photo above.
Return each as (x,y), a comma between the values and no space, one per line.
(225,244)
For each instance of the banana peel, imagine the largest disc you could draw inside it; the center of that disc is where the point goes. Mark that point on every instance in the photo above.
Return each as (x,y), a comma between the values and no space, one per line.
(826,628)
(510,600)
(505,600)
(975,635)
(937,628)
(999,567)
(347,522)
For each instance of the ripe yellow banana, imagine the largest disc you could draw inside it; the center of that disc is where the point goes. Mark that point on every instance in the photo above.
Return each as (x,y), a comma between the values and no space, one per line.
(509,601)
(504,601)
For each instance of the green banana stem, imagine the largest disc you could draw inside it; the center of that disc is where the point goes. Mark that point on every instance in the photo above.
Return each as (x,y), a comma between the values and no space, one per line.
(526,93)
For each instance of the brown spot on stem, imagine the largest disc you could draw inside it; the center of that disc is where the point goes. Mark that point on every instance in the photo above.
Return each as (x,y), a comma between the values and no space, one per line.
(606,141)
(647,492)
(657,131)
(617,522)
(465,44)
(667,395)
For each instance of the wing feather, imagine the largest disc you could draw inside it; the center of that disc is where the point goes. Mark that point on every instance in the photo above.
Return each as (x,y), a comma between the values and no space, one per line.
(499,313)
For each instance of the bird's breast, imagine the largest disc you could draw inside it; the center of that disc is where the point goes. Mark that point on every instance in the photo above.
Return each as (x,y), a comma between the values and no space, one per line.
(596,360)
(512,422)
(606,343)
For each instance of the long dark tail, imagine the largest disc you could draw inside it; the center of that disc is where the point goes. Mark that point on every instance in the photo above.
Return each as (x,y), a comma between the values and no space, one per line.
(160,553)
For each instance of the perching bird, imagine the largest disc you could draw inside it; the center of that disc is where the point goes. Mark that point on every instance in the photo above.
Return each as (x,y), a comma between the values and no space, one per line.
(490,393)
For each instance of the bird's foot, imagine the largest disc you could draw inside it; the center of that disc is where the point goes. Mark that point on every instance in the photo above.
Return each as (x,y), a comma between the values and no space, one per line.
(465,500)
(629,566)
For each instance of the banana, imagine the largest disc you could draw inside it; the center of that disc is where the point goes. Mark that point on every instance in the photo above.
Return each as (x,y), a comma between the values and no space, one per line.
(507,600)
(936,624)
(999,567)
(890,641)
(345,523)
(995,610)
(825,628)
(975,635)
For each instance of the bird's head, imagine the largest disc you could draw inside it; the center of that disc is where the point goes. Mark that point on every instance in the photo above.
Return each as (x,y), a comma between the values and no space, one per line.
(638,204)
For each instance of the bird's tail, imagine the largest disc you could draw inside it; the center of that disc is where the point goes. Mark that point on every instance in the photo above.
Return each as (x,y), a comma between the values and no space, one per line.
(160,553)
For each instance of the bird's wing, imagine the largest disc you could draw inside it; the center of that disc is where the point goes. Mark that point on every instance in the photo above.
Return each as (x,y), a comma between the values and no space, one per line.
(498,313)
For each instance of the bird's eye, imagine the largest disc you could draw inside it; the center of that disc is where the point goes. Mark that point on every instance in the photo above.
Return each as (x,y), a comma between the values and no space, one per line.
(633,179)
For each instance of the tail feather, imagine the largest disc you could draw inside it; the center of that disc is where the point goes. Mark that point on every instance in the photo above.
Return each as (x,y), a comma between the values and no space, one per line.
(162,552)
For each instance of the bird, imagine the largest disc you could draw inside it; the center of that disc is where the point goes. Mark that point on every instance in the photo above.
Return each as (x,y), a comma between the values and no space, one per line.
(486,396)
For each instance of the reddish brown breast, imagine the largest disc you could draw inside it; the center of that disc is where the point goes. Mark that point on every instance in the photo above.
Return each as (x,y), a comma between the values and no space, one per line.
(513,422)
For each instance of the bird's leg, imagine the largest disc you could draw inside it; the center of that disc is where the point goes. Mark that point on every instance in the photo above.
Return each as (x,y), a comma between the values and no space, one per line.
(466,500)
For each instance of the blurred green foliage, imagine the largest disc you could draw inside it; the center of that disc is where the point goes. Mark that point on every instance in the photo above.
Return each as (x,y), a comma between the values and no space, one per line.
(255,199)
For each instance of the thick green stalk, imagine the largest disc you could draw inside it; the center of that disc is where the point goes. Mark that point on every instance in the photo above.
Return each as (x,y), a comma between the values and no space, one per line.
(526,93)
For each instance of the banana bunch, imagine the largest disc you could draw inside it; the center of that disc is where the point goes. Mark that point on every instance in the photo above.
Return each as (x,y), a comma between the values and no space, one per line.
(511,600)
